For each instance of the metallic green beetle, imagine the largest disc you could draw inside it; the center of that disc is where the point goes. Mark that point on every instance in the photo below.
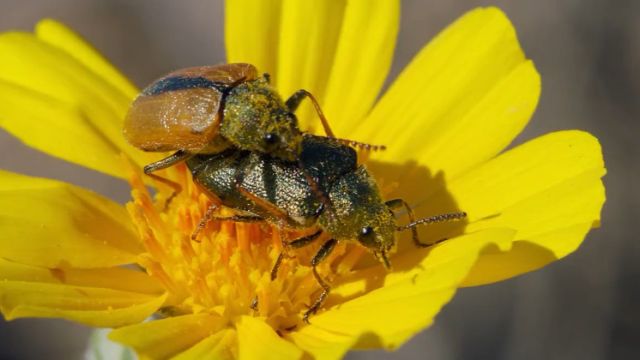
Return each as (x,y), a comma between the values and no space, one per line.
(265,188)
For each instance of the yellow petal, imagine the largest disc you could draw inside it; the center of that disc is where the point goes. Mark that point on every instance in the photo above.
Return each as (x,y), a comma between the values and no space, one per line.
(59,35)
(257,340)
(53,224)
(300,42)
(525,255)
(251,32)
(462,99)
(362,61)
(159,339)
(217,346)
(57,128)
(397,305)
(109,278)
(40,80)
(95,297)
(307,43)
(548,189)
(321,343)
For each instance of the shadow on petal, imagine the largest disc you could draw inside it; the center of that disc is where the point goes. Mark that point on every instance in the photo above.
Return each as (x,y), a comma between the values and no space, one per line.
(405,302)
(497,265)
(414,183)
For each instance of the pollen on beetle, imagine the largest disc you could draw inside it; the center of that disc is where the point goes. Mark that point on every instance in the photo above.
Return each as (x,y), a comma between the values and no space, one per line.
(229,265)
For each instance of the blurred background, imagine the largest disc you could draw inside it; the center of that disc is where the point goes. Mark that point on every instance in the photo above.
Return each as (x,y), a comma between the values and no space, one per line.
(588,53)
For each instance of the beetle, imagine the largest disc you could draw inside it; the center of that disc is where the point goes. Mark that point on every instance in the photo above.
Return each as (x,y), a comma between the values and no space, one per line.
(204,110)
(265,188)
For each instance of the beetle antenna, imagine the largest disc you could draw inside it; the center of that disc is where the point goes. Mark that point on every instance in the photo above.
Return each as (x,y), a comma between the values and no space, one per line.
(433,219)
(352,143)
(360,145)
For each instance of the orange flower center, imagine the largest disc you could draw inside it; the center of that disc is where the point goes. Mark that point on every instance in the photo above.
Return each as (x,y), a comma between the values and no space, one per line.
(230,263)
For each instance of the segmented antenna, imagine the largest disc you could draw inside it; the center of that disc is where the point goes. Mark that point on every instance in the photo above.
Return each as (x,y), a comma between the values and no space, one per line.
(360,145)
(434,219)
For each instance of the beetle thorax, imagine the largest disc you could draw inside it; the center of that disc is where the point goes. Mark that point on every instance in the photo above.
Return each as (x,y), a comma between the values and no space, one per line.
(253,111)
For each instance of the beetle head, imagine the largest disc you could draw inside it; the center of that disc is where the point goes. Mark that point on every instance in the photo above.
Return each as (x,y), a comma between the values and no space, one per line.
(359,213)
(379,237)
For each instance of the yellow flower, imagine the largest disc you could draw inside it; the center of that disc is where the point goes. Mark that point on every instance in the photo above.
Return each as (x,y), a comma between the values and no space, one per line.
(445,121)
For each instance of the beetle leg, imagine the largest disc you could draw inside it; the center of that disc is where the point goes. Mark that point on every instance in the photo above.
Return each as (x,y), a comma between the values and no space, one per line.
(240,218)
(394,204)
(295,244)
(173,159)
(170,160)
(208,215)
(294,101)
(397,203)
(172,184)
(304,241)
(322,254)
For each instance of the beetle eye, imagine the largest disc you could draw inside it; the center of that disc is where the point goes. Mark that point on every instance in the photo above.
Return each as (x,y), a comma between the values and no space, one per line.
(367,235)
(270,139)
(366,231)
